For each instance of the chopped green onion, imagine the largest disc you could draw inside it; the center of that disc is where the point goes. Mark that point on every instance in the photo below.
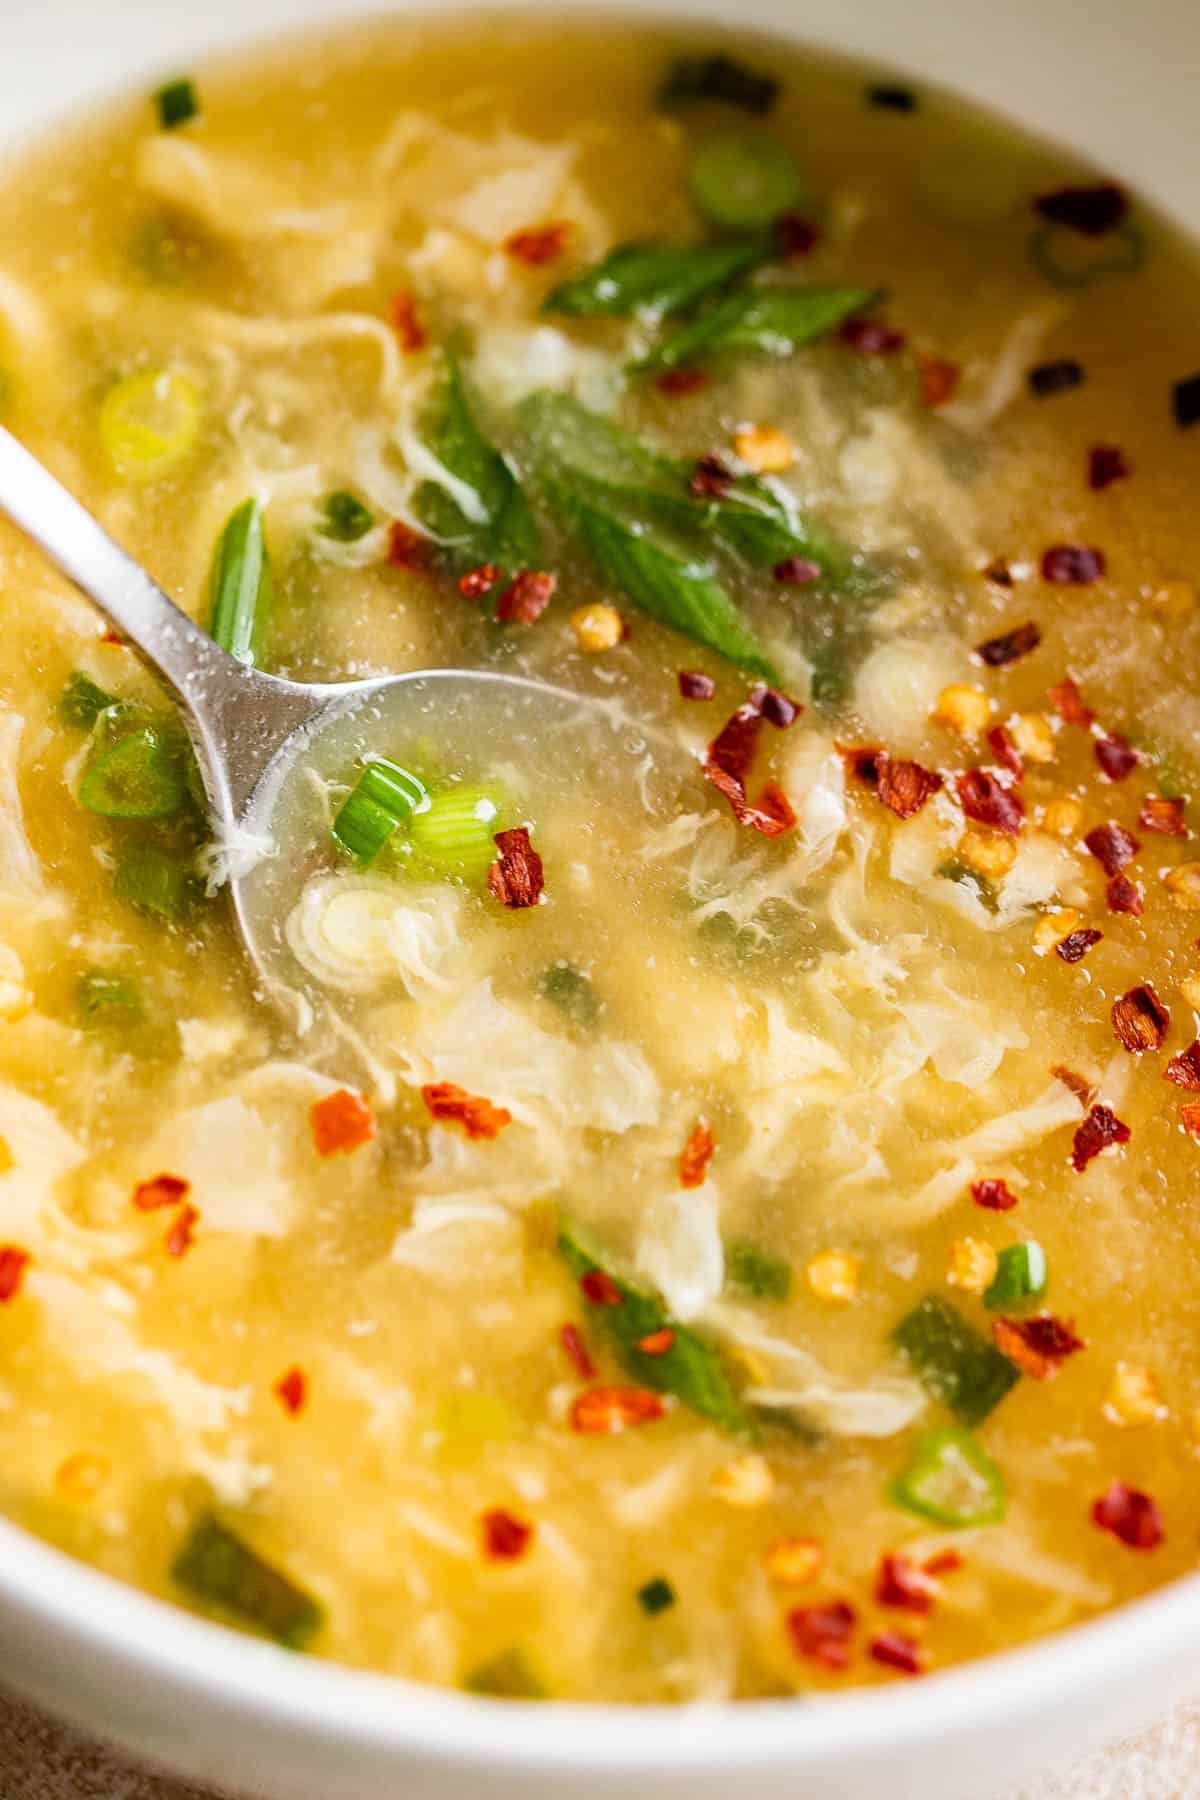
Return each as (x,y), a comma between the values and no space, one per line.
(82,701)
(756,1272)
(718,78)
(241,584)
(1068,259)
(149,422)
(152,879)
(140,777)
(953,1362)
(963,875)
(773,321)
(650,281)
(742,180)
(499,527)
(456,830)
(345,517)
(218,1569)
(384,797)
(1020,1276)
(177,102)
(509,1676)
(951,1480)
(101,997)
(571,991)
(656,1596)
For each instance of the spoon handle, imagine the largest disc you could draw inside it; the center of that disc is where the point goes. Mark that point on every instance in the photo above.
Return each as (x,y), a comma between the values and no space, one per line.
(238,716)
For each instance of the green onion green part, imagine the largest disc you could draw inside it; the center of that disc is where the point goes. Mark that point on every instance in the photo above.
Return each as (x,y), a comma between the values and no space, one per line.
(177,102)
(102,997)
(456,830)
(149,423)
(1068,259)
(484,517)
(241,588)
(652,281)
(344,517)
(219,1569)
(755,1272)
(571,991)
(153,879)
(772,321)
(719,79)
(952,1481)
(742,180)
(82,702)
(509,1676)
(656,1596)
(383,798)
(140,777)
(953,1362)
(1020,1276)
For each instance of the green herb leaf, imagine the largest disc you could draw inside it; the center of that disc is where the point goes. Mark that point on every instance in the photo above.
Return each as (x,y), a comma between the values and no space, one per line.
(82,702)
(756,1272)
(718,78)
(509,1676)
(345,518)
(217,1568)
(141,777)
(241,585)
(651,281)
(953,1362)
(692,1369)
(498,526)
(772,320)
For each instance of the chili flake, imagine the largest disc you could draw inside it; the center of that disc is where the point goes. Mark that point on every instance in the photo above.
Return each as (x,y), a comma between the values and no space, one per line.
(904,787)
(944,1562)
(871,337)
(478,582)
(1116,756)
(1112,846)
(407,549)
(897,1651)
(1124,896)
(937,380)
(795,236)
(1163,816)
(13,1264)
(1106,464)
(160,1191)
(1184,1069)
(182,1233)
(793,1561)
(710,479)
(1130,1515)
(478,1117)
(1039,1346)
(505,1538)
(986,799)
(797,571)
(291,1390)
(1189,1118)
(600,1289)
(993,1193)
(1083,1090)
(515,879)
(823,1633)
(998,652)
(577,1353)
(901,1583)
(778,709)
(602,1411)
(697,1154)
(342,1121)
(1075,946)
(1140,1020)
(999,573)
(1092,210)
(1069,704)
(1005,751)
(1073,565)
(406,323)
(657,1343)
(694,684)
(1185,401)
(727,766)
(681,381)
(526,597)
(545,244)
(1055,377)
(1098,1132)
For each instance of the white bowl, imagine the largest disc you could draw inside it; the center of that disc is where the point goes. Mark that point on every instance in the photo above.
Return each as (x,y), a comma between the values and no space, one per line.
(1120,84)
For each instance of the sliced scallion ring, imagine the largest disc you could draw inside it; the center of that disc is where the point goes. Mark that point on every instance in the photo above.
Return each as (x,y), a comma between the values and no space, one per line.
(149,422)
(741,180)
(384,796)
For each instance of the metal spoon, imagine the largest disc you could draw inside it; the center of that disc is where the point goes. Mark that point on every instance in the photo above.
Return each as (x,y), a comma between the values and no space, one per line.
(249,729)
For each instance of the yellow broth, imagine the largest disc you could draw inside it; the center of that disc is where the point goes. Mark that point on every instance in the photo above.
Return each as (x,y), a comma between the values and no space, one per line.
(866,1010)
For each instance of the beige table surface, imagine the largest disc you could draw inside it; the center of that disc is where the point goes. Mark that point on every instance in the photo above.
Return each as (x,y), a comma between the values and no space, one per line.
(41,1760)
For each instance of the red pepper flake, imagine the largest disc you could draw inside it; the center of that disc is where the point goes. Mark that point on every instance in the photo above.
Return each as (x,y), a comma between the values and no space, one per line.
(605,1410)
(710,479)
(1112,846)
(544,244)
(1005,751)
(872,337)
(577,1353)
(1106,464)
(694,684)
(999,573)
(526,598)
(902,1583)
(515,879)
(160,1191)
(406,323)
(477,1116)
(1039,1346)
(1184,1069)
(945,1562)
(478,582)
(779,709)
(291,1390)
(862,762)
(727,766)
(1124,896)
(795,236)
(1083,1090)
(993,1193)
(1162,816)
(1099,1131)
(998,652)
(182,1233)
(1093,210)
(1130,1515)
(904,787)
(1073,565)
(109,636)
(1075,946)
(822,1633)
(797,571)
(407,549)
(895,1650)
(600,1289)
(1116,756)
(697,1154)
(936,379)
(505,1539)
(341,1121)
(1069,704)
(681,381)
(1189,1118)
(13,1264)
(657,1343)
(1140,1020)
(987,800)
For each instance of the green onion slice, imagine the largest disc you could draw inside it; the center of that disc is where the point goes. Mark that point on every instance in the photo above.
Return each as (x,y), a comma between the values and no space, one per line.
(344,517)
(951,1480)
(140,777)
(383,798)
(153,879)
(656,1596)
(82,701)
(456,831)
(177,102)
(102,997)
(149,422)
(1069,260)
(756,1272)
(217,1568)
(241,584)
(742,180)
(1020,1276)
(953,1362)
